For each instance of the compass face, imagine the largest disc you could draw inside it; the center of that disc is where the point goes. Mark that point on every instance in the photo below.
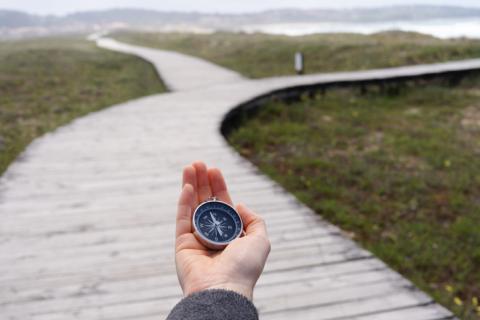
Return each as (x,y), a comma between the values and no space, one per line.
(217,222)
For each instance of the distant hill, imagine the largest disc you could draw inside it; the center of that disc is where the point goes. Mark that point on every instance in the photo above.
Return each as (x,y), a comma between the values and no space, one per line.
(394,13)
(16,19)
(20,22)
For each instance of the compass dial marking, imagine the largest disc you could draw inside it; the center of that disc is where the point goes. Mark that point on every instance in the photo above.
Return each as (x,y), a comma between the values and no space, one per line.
(217,222)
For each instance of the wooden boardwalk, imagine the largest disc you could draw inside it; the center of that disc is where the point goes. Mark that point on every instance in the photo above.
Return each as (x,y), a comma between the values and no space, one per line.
(87,212)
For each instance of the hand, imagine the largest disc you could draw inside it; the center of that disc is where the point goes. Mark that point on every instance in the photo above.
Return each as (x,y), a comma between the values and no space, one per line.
(235,268)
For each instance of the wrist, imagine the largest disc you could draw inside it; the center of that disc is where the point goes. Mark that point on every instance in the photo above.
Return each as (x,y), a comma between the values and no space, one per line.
(240,288)
(244,290)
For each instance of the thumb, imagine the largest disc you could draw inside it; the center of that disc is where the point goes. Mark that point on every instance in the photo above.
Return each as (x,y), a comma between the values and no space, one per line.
(253,223)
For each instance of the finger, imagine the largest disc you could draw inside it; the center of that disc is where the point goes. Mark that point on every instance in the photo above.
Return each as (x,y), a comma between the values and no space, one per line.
(218,185)
(190,177)
(184,211)
(203,185)
(252,223)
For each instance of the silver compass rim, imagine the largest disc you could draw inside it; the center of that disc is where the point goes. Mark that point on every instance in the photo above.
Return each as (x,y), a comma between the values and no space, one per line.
(216,243)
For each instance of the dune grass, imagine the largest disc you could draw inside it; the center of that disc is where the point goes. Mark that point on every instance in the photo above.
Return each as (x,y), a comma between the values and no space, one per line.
(260,55)
(47,82)
(399,172)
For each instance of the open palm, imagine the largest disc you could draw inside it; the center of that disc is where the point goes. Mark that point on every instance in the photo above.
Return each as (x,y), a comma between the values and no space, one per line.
(240,264)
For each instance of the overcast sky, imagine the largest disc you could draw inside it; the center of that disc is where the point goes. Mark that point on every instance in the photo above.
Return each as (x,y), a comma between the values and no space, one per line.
(65,6)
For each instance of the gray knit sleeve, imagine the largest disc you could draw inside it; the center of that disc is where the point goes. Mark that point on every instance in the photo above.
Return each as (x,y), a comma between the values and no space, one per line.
(214,305)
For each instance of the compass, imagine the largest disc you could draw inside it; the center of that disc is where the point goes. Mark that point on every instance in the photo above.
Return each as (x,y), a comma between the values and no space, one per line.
(216,224)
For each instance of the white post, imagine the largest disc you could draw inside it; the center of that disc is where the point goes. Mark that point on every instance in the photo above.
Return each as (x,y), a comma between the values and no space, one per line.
(299,65)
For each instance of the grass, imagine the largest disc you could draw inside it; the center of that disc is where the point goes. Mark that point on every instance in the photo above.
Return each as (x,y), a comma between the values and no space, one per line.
(400,172)
(46,83)
(260,55)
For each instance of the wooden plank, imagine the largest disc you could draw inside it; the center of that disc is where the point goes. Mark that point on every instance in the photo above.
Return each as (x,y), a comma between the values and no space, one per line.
(109,188)
(102,296)
(153,237)
(97,294)
(74,261)
(423,312)
(158,246)
(314,298)
(366,270)
(345,284)
(98,221)
(382,302)
(350,267)
(106,295)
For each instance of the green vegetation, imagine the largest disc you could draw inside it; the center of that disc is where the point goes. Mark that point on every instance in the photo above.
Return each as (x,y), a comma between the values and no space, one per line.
(260,55)
(397,168)
(46,83)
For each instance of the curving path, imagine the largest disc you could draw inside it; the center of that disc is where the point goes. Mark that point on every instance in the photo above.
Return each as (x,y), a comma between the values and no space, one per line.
(87,212)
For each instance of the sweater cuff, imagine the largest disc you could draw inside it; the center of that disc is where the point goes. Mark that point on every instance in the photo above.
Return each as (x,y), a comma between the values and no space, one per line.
(214,304)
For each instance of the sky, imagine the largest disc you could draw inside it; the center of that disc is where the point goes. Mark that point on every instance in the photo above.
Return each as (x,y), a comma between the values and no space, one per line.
(61,7)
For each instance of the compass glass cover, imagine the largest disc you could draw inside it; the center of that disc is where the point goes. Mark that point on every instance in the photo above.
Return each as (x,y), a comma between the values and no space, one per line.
(217,222)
